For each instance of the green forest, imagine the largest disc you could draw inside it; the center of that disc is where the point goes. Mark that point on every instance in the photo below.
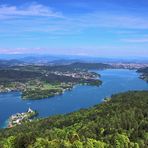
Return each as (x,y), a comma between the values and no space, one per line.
(118,122)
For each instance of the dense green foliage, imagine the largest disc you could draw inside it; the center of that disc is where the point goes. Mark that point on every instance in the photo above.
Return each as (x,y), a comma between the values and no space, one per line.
(120,122)
(9,75)
(40,93)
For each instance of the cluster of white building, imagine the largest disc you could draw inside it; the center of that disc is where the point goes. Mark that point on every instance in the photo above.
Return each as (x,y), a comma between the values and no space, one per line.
(19,117)
(81,74)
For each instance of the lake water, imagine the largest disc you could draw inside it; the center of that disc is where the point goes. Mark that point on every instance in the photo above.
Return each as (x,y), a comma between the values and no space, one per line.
(114,81)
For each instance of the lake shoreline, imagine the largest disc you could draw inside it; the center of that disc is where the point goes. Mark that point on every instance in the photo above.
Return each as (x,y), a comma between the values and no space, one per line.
(81,96)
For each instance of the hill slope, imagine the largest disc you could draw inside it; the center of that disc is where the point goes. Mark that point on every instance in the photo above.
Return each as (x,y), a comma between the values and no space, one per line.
(119,122)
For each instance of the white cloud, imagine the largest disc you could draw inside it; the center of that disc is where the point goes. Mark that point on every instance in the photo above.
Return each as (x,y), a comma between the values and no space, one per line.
(83,51)
(25,17)
(135,40)
(31,10)
(113,19)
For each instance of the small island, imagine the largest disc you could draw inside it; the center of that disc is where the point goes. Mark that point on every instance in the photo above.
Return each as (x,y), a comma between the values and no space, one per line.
(19,118)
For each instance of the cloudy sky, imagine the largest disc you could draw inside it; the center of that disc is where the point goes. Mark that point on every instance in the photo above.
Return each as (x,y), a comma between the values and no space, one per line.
(74,27)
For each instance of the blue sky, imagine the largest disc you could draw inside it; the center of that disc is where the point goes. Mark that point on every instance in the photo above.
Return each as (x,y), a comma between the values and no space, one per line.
(74,27)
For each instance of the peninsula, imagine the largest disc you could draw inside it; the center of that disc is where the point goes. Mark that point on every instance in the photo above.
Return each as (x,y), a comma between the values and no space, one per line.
(144,73)
(38,82)
(20,118)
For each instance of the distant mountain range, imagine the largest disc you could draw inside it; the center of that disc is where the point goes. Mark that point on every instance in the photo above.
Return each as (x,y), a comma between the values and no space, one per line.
(62,59)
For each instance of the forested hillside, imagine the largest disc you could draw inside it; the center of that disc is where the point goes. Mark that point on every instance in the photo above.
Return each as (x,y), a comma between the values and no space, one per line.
(119,122)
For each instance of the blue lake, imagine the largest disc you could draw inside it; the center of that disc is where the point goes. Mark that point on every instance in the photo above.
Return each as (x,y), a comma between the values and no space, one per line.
(114,81)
